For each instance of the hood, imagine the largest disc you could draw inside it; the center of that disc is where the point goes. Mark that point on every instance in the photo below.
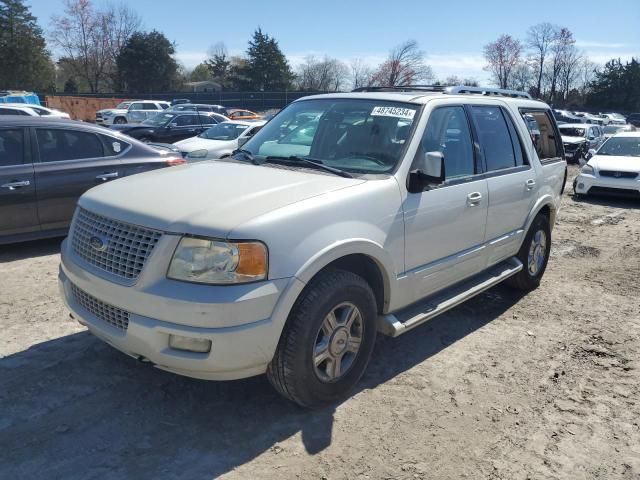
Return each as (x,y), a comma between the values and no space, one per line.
(566,139)
(197,143)
(207,198)
(616,163)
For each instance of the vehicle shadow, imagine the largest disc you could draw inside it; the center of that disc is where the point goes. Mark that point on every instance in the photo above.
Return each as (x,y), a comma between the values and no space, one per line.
(34,248)
(608,201)
(75,408)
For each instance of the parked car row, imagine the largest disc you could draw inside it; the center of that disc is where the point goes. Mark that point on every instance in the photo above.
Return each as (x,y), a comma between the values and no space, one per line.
(30,110)
(602,119)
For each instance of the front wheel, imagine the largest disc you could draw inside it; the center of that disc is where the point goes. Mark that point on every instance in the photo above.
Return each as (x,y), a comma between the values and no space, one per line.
(534,255)
(120,121)
(328,339)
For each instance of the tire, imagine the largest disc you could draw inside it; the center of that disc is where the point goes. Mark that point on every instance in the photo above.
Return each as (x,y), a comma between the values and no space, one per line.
(293,371)
(534,266)
(119,120)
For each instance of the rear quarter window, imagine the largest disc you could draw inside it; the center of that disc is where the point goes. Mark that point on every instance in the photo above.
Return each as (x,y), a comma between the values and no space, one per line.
(542,131)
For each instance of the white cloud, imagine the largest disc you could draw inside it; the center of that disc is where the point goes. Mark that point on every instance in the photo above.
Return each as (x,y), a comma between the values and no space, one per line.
(190,59)
(603,45)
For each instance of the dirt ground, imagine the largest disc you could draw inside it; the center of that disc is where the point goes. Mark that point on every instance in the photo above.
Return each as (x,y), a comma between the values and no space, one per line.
(506,386)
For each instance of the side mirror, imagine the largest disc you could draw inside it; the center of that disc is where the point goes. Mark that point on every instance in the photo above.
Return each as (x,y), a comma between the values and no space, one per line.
(172,125)
(242,141)
(430,172)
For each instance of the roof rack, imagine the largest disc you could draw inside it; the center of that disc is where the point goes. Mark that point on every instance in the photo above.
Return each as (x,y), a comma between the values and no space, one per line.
(487,91)
(461,89)
(402,88)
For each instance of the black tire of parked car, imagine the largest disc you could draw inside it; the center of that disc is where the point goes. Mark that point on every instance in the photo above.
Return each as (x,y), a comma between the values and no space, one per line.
(292,371)
(120,120)
(525,280)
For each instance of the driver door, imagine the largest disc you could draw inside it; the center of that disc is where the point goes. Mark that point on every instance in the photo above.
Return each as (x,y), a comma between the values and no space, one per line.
(445,225)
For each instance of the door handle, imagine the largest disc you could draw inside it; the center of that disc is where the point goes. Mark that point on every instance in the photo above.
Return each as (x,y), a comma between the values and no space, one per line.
(530,184)
(16,185)
(107,176)
(474,199)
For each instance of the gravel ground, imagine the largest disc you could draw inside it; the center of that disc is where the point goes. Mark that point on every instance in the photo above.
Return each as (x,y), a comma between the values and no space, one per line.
(503,387)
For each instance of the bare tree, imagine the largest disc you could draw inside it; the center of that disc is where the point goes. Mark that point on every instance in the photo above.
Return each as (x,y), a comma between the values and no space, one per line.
(539,39)
(91,39)
(562,43)
(522,77)
(218,61)
(502,56)
(569,70)
(361,73)
(404,66)
(326,74)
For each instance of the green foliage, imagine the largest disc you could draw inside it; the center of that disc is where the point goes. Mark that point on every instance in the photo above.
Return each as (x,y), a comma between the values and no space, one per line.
(25,63)
(616,87)
(70,86)
(201,73)
(267,67)
(146,63)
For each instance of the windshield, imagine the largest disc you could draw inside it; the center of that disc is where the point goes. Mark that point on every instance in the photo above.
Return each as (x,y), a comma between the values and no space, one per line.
(358,136)
(223,131)
(621,146)
(158,120)
(123,105)
(572,132)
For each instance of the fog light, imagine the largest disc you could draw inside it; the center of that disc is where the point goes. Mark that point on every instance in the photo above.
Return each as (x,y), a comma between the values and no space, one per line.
(189,344)
(581,186)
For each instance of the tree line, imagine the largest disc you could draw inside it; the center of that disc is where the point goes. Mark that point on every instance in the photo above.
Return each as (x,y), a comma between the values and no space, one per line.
(104,48)
(548,65)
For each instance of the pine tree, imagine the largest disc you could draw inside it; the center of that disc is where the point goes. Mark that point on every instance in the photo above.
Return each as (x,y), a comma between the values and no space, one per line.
(267,67)
(25,63)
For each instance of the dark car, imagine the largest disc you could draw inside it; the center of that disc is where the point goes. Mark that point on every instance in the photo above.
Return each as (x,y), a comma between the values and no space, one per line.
(200,107)
(171,126)
(634,119)
(45,165)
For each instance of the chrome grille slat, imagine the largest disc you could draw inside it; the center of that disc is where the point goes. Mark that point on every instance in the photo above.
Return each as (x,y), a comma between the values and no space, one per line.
(114,316)
(128,246)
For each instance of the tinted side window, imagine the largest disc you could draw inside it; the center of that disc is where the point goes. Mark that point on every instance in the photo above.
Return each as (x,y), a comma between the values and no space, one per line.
(494,137)
(57,145)
(136,106)
(448,132)
(208,120)
(149,106)
(9,111)
(113,146)
(186,120)
(11,147)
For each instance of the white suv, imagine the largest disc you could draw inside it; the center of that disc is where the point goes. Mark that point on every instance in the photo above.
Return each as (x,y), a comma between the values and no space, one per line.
(130,112)
(344,216)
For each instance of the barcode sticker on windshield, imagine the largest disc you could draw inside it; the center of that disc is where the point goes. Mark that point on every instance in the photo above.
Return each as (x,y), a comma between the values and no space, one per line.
(397,112)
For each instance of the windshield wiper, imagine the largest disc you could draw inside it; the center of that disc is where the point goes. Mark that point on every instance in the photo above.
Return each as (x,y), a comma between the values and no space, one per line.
(315,163)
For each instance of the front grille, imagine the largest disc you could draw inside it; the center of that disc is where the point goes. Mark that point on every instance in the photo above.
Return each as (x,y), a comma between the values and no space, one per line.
(617,174)
(570,148)
(114,316)
(112,246)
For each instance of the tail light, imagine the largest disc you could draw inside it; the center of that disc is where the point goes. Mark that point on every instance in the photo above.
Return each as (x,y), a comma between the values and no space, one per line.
(173,161)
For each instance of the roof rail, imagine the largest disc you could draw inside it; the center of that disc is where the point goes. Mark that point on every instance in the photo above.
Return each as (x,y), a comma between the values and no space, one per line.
(487,91)
(402,88)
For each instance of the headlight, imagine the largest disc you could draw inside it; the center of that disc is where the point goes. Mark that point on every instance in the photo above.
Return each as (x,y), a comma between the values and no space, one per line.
(202,260)
(198,154)
(588,169)
(107,114)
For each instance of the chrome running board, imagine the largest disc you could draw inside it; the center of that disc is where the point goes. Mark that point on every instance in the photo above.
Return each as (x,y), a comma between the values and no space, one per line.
(394,324)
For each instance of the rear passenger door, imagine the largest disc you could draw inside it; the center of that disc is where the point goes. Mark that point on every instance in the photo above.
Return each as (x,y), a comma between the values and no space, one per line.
(511,179)
(70,162)
(184,126)
(18,212)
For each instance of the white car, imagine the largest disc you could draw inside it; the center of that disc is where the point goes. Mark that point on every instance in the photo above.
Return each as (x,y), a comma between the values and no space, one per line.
(130,112)
(400,204)
(22,109)
(38,110)
(612,129)
(615,118)
(218,141)
(579,138)
(613,169)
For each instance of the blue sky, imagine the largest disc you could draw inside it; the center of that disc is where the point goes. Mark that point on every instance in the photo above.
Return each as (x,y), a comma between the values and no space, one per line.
(451,33)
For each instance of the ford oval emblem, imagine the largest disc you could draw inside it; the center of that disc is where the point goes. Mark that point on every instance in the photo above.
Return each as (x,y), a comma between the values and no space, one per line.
(98,244)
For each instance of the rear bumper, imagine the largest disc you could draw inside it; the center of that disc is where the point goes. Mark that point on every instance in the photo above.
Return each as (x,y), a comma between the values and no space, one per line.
(243,347)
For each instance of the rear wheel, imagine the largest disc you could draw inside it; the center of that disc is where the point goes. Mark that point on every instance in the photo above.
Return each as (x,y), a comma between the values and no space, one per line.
(327,341)
(534,255)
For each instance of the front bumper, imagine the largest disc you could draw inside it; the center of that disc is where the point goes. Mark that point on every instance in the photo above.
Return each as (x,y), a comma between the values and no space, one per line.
(586,183)
(241,321)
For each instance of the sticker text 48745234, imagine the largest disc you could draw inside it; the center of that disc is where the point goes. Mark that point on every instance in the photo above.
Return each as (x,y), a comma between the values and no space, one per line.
(397,112)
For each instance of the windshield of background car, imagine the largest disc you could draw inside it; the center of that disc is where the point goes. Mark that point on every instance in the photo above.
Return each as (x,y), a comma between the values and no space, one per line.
(612,129)
(223,131)
(158,120)
(572,132)
(622,146)
(358,136)
(123,105)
